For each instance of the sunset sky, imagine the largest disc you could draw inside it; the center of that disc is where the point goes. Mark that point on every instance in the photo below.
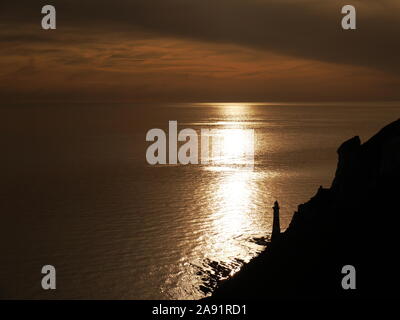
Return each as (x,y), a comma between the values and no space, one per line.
(199,50)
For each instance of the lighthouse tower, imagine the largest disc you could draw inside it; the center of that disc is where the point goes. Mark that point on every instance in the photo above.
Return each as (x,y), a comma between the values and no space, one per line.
(276,227)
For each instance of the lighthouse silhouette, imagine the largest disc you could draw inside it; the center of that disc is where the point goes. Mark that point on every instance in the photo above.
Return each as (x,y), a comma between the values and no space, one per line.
(276,227)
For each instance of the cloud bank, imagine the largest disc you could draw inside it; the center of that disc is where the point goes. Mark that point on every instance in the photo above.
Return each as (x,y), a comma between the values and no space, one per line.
(136,38)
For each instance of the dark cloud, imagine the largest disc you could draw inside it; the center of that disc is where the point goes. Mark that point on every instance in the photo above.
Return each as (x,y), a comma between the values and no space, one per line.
(302,28)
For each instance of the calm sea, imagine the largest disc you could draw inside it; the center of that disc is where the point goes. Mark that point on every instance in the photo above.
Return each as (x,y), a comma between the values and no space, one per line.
(77,192)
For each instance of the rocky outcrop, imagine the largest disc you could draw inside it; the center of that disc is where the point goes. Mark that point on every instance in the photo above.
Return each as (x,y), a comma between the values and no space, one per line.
(354,222)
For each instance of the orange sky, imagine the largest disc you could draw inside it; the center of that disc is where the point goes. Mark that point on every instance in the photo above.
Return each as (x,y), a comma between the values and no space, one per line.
(103,58)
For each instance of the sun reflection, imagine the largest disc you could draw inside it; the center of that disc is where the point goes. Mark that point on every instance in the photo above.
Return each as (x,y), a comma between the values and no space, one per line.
(232,202)
(236,142)
(232,216)
(231,147)
(234,195)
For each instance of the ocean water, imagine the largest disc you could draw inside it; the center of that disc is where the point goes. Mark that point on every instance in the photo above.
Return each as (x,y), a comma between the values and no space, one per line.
(77,192)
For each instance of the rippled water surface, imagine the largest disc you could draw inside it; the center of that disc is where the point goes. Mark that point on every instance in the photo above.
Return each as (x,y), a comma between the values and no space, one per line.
(81,196)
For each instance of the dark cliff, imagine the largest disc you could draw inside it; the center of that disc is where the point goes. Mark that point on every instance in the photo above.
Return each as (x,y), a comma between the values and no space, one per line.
(354,222)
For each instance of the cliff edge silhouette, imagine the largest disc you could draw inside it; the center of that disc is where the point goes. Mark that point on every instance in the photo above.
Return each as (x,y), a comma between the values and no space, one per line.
(354,222)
